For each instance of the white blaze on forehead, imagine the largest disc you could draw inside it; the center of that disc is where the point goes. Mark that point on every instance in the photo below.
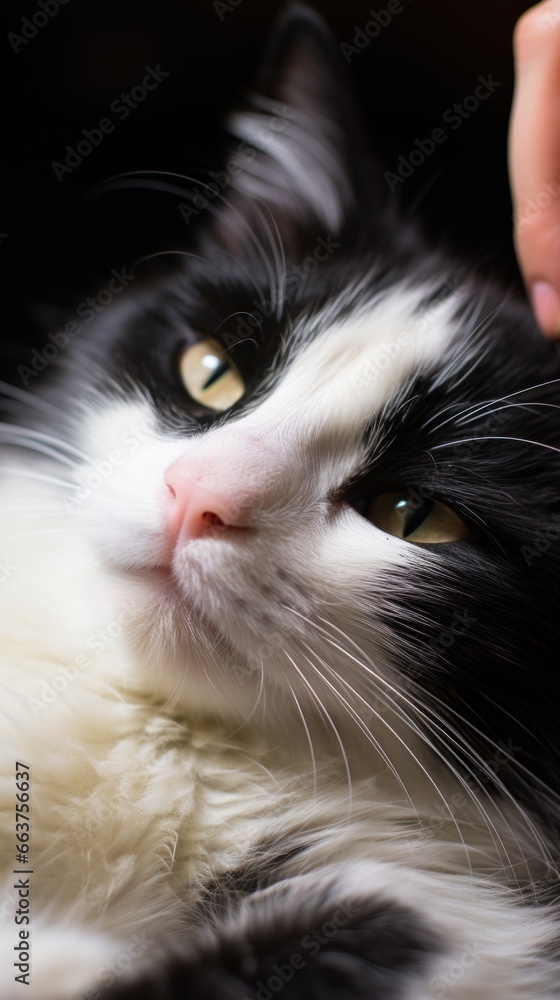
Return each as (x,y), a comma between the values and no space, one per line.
(345,375)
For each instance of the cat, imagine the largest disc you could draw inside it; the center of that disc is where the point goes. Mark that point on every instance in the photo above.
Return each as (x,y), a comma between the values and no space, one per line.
(280,580)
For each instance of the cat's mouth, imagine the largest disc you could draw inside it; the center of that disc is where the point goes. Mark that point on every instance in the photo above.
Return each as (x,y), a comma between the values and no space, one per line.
(201,596)
(194,633)
(181,583)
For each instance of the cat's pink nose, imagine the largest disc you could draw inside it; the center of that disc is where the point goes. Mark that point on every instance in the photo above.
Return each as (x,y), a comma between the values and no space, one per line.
(195,508)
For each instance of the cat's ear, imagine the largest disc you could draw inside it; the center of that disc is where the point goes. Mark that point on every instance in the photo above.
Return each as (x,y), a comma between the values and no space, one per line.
(301,147)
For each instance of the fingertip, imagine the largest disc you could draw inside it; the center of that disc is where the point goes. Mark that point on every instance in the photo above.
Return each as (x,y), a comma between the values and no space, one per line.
(534,31)
(545,300)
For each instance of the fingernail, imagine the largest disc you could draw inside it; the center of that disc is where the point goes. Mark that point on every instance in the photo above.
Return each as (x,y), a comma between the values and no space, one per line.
(546,305)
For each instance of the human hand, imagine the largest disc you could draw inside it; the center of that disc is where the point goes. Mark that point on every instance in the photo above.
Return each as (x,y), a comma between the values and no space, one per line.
(534,159)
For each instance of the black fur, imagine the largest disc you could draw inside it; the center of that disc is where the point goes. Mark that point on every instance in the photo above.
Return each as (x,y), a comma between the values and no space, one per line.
(359,951)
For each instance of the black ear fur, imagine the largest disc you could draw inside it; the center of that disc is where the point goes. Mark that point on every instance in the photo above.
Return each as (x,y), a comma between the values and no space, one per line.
(304,69)
(302,154)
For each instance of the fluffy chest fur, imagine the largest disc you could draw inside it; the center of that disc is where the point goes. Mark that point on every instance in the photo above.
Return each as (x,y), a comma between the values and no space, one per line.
(137,813)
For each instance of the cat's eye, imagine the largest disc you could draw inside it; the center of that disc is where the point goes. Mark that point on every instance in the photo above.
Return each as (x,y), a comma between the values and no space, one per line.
(210,376)
(424,521)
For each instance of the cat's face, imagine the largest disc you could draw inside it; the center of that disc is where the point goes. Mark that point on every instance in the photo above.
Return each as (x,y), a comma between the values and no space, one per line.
(319,460)
(245,535)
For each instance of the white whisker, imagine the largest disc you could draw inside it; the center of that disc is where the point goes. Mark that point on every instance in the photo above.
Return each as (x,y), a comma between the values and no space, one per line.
(323,711)
(478,407)
(24,473)
(436,729)
(494,437)
(309,740)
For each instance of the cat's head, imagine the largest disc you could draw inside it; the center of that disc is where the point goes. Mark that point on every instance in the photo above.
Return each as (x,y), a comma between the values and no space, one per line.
(325,459)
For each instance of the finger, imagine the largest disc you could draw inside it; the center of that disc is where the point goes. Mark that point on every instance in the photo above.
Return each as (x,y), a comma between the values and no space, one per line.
(534,158)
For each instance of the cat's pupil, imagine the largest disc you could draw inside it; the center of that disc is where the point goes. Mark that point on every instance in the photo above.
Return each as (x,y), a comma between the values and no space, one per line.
(220,368)
(411,515)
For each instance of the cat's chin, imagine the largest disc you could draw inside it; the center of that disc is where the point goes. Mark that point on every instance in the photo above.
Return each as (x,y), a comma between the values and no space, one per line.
(182,657)
(200,645)
(158,598)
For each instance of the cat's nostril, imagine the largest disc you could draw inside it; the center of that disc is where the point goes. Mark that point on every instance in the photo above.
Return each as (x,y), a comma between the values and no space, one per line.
(212,520)
(194,508)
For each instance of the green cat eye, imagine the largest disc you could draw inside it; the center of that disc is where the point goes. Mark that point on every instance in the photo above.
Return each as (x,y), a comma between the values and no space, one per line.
(210,376)
(425,522)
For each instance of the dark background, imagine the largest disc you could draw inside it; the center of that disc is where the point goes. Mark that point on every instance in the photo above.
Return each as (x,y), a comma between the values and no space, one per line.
(56,238)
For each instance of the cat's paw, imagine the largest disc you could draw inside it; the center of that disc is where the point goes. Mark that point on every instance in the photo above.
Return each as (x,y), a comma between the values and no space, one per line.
(357,931)
(304,938)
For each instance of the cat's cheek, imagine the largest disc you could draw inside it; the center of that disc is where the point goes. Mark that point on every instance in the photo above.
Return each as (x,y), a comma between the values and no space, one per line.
(355,552)
(119,496)
(126,532)
(120,425)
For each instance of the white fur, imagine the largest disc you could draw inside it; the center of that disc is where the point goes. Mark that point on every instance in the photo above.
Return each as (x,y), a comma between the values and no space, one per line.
(293,159)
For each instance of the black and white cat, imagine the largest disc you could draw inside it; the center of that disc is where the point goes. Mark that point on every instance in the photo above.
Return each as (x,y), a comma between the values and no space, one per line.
(279,618)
